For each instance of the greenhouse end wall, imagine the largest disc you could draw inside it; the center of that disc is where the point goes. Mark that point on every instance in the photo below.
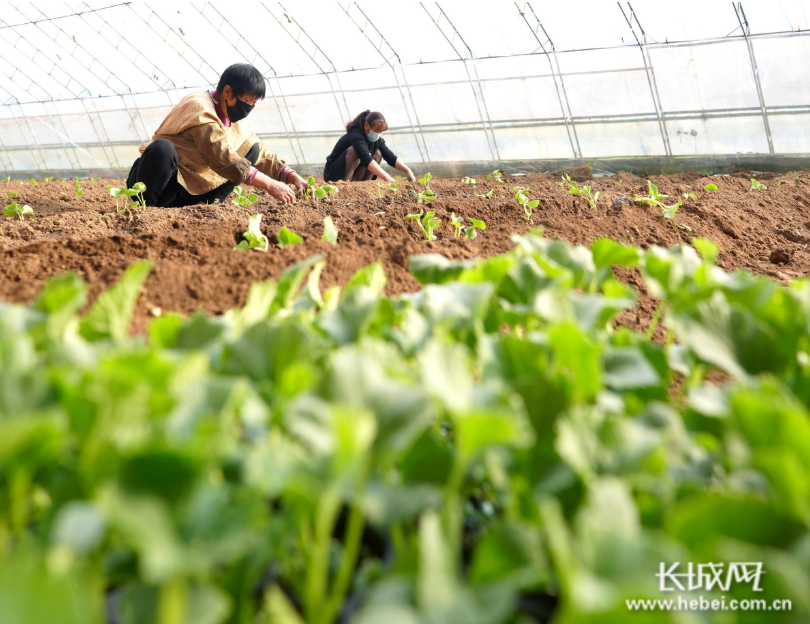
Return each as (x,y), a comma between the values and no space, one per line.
(682,106)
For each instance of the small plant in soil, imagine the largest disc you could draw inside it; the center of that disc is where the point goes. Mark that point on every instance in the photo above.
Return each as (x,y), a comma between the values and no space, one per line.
(254,239)
(95,179)
(78,187)
(330,231)
(427,194)
(688,195)
(243,197)
(288,237)
(654,199)
(469,231)
(48,179)
(710,188)
(382,187)
(7,179)
(470,181)
(137,191)
(11,195)
(32,182)
(318,192)
(426,223)
(496,175)
(488,194)
(15,210)
(582,191)
(523,200)
(756,185)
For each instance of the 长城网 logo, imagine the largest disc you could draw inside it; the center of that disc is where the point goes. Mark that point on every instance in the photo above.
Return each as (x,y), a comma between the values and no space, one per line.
(709,576)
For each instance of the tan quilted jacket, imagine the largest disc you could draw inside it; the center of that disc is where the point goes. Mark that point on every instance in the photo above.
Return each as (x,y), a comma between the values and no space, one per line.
(210,153)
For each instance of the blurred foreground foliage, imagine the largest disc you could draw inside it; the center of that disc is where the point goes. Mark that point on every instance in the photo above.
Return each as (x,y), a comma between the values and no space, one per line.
(487,450)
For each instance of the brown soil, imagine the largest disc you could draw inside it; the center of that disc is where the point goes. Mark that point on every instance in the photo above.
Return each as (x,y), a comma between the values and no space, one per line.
(196,267)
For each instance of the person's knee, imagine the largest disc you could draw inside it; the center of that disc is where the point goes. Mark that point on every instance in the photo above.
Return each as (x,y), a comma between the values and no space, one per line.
(352,159)
(161,150)
(253,153)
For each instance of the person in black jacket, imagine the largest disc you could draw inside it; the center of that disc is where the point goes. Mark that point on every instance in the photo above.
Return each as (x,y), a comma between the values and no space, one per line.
(358,153)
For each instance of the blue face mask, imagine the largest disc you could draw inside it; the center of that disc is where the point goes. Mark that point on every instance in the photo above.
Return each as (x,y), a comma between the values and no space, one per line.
(373,136)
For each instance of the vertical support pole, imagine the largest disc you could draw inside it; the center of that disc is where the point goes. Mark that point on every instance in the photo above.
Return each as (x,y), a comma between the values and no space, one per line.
(391,54)
(465,54)
(559,87)
(738,11)
(645,55)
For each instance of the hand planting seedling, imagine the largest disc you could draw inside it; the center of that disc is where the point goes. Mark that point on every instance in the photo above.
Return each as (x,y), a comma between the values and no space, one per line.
(288,237)
(469,231)
(582,191)
(470,181)
(15,210)
(756,185)
(254,239)
(318,192)
(710,187)
(654,199)
(523,200)
(495,175)
(426,223)
(243,197)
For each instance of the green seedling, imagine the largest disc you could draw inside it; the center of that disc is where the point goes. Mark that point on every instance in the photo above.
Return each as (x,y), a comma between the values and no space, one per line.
(243,197)
(32,182)
(469,231)
(582,191)
(15,210)
(781,182)
(318,192)
(496,175)
(48,179)
(523,200)
(7,179)
(95,179)
(688,195)
(654,199)
(427,194)
(426,223)
(756,185)
(11,194)
(78,187)
(330,232)
(382,187)
(488,194)
(470,181)
(288,237)
(136,191)
(254,239)
(710,187)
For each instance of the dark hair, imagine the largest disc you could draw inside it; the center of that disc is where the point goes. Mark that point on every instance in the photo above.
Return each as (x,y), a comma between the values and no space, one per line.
(243,79)
(366,116)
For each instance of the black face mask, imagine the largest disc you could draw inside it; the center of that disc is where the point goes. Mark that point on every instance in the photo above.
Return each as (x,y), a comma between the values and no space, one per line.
(238,112)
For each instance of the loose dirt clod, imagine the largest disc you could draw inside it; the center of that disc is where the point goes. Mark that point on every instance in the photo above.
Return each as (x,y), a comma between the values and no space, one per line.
(780,256)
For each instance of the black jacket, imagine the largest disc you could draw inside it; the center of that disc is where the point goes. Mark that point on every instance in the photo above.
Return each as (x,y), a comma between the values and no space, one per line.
(364,148)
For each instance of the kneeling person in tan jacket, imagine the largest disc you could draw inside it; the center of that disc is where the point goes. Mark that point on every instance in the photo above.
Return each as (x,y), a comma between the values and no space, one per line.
(204,148)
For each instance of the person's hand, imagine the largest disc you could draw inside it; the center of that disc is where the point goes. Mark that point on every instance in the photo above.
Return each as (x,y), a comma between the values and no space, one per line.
(281,192)
(411,177)
(300,184)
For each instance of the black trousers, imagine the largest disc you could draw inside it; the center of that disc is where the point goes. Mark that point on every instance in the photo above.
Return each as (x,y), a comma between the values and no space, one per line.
(157,169)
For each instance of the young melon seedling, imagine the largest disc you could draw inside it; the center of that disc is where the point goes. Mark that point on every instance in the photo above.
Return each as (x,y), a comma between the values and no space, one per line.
(330,232)
(710,187)
(470,181)
(582,191)
(48,179)
(523,200)
(288,237)
(11,195)
(654,199)
(382,187)
(427,194)
(15,210)
(78,188)
(8,179)
(254,239)
(488,194)
(32,182)
(426,223)
(243,197)
(495,175)
(470,231)
(318,192)
(756,185)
